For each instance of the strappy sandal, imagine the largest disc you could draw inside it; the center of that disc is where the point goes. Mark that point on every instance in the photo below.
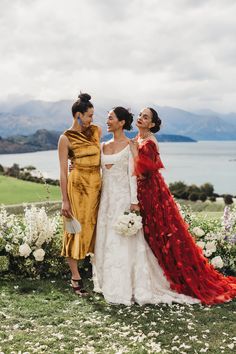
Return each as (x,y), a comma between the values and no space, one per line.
(79,289)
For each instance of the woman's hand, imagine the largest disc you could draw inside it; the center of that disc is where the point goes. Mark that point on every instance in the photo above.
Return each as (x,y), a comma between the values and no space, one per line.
(134,207)
(66,209)
(134,147)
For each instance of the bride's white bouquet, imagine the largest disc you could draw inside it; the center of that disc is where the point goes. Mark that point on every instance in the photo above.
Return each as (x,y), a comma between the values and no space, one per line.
(129,223)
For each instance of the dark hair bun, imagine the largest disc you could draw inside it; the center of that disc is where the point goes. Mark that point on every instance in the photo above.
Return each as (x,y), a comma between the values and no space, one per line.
(82,104)
(156,120)
(124,114)
(84,97)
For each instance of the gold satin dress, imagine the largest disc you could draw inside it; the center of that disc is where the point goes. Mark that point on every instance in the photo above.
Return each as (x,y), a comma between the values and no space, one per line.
(84,185)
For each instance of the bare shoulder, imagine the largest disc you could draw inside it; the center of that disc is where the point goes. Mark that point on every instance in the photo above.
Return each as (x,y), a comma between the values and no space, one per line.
(153,138)
(108,145)
(63,140)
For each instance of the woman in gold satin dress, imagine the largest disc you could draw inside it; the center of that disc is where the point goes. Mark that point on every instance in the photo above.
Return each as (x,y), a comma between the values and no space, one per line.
(81,188)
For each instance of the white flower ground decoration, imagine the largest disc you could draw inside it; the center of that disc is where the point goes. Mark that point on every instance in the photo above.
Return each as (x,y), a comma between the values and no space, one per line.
(198,231)
(25,250)
(31,237)
(34,239)
(39,228)
(39,254)
(217,262)
(216,238)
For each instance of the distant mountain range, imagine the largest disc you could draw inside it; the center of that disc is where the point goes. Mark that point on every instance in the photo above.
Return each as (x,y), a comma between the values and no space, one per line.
(203,125)
(43,140)
(25,118)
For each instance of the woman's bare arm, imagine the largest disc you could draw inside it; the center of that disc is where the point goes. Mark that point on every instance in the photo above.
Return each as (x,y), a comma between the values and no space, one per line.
(63,147)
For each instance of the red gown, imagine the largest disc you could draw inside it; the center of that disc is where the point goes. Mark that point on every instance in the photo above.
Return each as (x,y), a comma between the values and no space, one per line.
(167,234)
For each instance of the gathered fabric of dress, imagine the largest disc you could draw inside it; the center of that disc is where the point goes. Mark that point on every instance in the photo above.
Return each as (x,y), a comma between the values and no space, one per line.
(167,234)
(124,267)
(84,184)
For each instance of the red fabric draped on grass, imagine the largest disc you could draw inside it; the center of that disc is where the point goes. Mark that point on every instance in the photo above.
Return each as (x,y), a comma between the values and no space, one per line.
(167,234)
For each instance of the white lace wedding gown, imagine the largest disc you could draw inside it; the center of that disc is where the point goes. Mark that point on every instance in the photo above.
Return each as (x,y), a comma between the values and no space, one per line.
(124,268)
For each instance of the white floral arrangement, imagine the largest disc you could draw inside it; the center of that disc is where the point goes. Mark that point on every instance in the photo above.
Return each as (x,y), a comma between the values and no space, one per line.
(27,236)
(216,238)
(129,223)
(31,243)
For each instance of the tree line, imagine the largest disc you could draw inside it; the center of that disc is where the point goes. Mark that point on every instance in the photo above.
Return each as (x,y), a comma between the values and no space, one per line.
(192,192)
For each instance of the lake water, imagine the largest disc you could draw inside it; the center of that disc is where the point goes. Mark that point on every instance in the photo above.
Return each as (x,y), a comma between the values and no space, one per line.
(204,161)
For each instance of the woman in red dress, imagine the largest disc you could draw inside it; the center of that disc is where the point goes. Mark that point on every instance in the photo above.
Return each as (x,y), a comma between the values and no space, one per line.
(167,234)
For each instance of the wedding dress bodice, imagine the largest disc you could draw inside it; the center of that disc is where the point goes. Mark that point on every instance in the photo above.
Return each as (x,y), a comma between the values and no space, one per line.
(121,174)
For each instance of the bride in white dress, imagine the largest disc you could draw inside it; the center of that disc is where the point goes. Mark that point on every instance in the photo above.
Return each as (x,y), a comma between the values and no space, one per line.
(124,268)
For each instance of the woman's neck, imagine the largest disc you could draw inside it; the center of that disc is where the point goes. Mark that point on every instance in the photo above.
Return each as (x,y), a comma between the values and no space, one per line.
(76,126)
(144,133)
(119,135)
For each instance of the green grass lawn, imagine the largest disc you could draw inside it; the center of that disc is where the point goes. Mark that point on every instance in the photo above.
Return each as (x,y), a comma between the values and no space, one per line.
(15,191)
(44,316)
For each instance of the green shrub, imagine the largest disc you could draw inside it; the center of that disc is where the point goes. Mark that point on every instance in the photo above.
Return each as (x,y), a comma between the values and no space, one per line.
(179,190)
(207,188)
(193,196)
(212,198)
(228,199)
(203,197)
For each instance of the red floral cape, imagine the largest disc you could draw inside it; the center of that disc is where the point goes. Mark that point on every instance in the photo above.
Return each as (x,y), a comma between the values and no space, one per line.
(167,234)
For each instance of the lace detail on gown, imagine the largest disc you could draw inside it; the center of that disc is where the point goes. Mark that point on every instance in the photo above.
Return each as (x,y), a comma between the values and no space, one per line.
(125,269)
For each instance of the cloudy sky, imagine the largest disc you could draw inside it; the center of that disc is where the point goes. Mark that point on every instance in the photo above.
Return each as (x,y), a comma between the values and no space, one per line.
(178,53)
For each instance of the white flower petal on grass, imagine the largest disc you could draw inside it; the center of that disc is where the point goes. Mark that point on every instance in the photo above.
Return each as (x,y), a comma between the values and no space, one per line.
(60,336)
(231,346)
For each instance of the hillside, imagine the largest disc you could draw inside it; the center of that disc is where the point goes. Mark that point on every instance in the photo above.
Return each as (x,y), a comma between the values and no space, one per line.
(43,140)
(27,117)
(198,126)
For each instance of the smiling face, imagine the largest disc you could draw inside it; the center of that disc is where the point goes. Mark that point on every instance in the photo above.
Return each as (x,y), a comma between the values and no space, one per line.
(113,123)
(144,120)
(86,118)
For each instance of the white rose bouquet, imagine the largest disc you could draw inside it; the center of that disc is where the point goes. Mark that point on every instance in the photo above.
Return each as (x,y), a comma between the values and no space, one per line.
(128,224)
